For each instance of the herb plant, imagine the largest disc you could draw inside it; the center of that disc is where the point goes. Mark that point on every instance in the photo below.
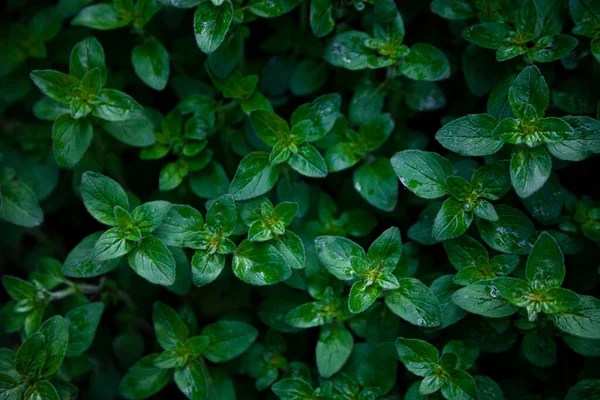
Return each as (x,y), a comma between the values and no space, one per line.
(300,199)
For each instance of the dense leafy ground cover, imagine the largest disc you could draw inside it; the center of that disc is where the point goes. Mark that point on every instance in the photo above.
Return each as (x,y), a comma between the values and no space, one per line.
(300,199)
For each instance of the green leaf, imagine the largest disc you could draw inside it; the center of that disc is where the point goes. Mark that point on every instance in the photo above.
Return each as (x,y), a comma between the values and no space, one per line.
(272,8)
(112,244)
(42,390)
(228,340)
(377,183)
(292,389)
(54,84)
(451,221)
(513,233)
(489,35)
(492,181)
(484,209)
(99,16)
(18,289)
(465,252)
(530,168)
(341,156)
(179,225)
(321,19)
(423,173)
(552,48)
(56,334)
(323,112)
(483,299)
(529,88)
(170,330)
(151,63)
(362,295)
(222,214)
(101,195)
(143,379)
(470,136)
(18,205)
(269,126)
(386,250)
(307,315)
(192,380)
(334,253)
(206,267)
(308,162)
(85,56)
(579,145)
(116,106)
(83,322)
(48,109)
(425,96)
(425,63)
(333,349)
(418,356)
(461,386)
(414,302)
(149,216)
(31,356)
(309,76)
(211,24)
(545,262)
(539,349)
(259,263)
(585,389)
(291,248)
(254,176)
(583,322)
(211,182)
(171,176)
(347,50)
(80,263)
(153,261)
(137,131)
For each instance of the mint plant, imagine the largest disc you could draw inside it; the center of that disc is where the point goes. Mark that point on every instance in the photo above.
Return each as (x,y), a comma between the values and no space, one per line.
(300,199)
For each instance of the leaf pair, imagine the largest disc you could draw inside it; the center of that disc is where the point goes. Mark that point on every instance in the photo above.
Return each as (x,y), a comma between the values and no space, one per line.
(218,342)
(150,59)
(131,233)
(186,140)
(569,138)
(82,94)
(512,41)
(445,373)
(429,175)
(356,50)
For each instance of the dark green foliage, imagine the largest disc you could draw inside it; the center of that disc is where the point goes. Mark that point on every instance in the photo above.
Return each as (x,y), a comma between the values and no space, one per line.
(300,199)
